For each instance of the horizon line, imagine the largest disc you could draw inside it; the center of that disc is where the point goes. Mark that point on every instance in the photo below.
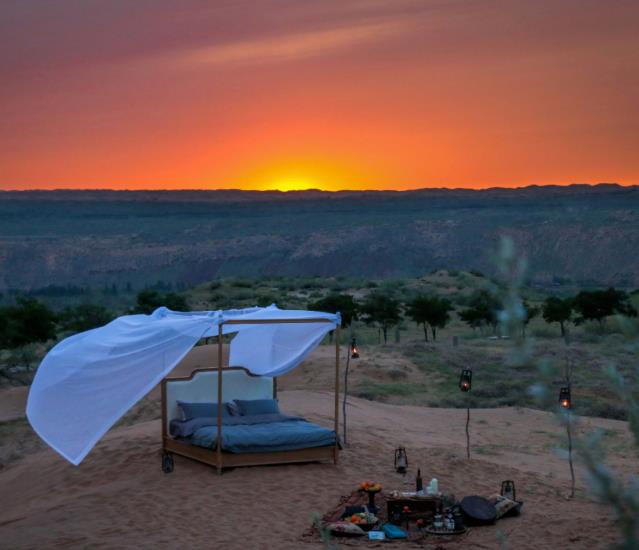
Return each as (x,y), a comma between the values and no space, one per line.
(311,189)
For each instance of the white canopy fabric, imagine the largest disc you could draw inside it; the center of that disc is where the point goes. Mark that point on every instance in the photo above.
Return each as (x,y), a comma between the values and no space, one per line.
(89,380)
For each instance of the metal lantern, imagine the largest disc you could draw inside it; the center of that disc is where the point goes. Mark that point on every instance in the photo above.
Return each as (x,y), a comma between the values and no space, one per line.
(354,349)
(564,397)
(508,489)
(401,460)
(465,380)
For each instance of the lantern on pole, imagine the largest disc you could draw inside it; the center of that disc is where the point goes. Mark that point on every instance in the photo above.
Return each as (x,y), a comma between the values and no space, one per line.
(465,380)
(564,397)
(354,349)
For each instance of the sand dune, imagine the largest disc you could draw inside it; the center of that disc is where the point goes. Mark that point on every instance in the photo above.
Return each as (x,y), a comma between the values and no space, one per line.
(119,496)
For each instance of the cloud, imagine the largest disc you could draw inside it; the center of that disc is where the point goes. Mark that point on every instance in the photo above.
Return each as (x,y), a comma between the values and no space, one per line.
(291,46)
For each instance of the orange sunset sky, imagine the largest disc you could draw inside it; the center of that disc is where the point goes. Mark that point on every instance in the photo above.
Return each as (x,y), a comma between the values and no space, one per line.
(332,94)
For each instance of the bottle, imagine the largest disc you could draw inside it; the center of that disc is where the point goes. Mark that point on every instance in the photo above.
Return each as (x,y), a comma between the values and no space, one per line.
(450,522)
(437,521)
(419,484)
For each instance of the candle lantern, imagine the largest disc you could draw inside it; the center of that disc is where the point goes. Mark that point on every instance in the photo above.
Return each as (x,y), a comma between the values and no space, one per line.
(508,489)
(401,460)
(465,380)
(564,397)
(354,349)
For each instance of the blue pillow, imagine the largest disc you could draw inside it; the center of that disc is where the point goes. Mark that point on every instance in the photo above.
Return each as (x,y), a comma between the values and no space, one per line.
(258,406)
(199,410)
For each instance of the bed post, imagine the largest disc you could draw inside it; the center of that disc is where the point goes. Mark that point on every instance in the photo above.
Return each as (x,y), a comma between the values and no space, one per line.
(163,389)
(220,353)
(336,450)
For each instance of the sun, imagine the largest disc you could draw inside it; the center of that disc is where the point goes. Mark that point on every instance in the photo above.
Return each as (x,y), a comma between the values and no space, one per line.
(292,183)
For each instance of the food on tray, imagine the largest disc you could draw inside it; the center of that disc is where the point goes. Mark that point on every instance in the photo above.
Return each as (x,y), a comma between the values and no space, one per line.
(370,486)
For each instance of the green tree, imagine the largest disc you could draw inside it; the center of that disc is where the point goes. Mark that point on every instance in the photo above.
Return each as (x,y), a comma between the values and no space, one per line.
(333,303)
(430,311)
(338,303)
(149,300)
(27,321)
(84,317)
(482,310)
(381,310)
(596,305)
(557,310)
(530,312)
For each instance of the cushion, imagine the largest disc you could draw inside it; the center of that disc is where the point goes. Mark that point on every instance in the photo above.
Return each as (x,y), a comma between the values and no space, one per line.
(393,532)
(199,410)
(258,406)
(478,511)
(233,408)
(345,529)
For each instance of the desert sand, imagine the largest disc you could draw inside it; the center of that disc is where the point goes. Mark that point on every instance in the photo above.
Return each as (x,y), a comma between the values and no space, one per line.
(119,497)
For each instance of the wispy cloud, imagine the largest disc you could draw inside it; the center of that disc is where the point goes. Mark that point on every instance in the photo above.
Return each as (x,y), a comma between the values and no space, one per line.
(291,46)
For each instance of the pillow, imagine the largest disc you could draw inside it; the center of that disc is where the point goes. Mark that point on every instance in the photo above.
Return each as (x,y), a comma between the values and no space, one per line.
(199,410)
(258,406)
(233,408)
(345,528)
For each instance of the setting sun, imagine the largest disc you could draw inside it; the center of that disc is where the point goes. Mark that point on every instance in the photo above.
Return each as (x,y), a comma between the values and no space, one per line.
(292,183)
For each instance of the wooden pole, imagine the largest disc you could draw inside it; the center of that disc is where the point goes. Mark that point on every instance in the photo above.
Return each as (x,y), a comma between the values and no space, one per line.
(572,469)
(467,433)
(337,337)
(348,362)
(220,358)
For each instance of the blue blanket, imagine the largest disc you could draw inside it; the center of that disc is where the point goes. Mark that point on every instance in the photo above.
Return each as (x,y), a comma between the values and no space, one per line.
(261,433)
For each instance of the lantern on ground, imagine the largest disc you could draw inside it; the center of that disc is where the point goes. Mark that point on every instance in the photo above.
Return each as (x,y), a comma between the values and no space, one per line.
(401,460)
(508,489)
(465,380)
(354,349)
(564,397)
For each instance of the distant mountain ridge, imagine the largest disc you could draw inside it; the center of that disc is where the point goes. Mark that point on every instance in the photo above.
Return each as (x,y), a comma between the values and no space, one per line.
(88,237)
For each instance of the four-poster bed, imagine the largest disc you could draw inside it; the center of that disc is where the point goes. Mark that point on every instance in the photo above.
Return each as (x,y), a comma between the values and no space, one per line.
(89,380)
(202,383)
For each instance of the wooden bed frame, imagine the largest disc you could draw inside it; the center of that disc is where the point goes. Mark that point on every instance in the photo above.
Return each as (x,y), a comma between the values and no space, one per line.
(220,459)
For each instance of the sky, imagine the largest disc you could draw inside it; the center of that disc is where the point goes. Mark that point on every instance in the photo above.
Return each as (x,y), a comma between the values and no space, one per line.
(293,94)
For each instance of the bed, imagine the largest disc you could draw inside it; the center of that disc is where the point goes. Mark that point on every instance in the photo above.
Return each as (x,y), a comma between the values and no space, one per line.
(241,440)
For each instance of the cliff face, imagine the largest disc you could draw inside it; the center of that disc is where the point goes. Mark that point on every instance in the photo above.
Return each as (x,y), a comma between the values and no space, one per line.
(92,238)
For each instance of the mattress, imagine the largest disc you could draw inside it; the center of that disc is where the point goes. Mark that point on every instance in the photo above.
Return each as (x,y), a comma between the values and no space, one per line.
(276,436)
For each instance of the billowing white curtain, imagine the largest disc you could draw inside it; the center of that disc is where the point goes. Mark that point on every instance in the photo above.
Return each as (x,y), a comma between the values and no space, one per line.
(89,380)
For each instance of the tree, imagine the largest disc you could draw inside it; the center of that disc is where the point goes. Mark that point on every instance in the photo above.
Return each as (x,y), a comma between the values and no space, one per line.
(381,310)
(84,317)
(530,313)
(333,303)
(429,310)
(483,309)
(557,310)
(338,303)
(149,300)
(596,305)
(28,321)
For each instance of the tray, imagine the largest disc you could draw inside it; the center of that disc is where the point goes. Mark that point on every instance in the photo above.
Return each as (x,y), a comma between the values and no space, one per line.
(444,532)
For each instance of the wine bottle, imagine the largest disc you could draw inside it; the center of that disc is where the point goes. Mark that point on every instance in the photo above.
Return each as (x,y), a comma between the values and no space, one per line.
(419,484)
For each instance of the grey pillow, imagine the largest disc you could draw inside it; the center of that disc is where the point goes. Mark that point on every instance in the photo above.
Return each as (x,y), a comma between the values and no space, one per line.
(199,410)
(258,406)
(233,408)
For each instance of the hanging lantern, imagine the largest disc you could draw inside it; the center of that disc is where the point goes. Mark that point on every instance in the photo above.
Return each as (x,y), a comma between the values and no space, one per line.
(465,380)
(508,489)
(354,349)
(564,397)
(401,460)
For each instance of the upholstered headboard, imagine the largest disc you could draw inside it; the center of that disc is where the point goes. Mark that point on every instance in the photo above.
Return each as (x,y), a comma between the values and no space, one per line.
(201,387)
